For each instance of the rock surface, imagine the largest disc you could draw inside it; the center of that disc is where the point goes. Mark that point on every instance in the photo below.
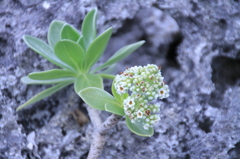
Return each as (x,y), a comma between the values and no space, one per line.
(196,42)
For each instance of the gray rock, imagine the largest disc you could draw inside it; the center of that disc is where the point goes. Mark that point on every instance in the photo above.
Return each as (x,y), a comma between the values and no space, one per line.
(197,43)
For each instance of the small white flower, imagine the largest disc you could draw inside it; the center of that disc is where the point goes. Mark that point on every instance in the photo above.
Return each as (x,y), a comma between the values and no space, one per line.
(139,114)
(129,101)
(164,92)
(120,89)
(128,112)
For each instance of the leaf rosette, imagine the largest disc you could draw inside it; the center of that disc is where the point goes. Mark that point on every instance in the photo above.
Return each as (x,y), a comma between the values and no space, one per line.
(76,54)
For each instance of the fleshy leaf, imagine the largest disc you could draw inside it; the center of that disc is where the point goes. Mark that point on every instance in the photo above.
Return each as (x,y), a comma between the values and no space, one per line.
(69,32)
(97,98)
(44,50)
(51,74)
(107,76)
(27,80)
(120,55)
(44,94)
(108,70)
(88,80)
(54,32)
(115,109)
(97,47)
(70,53)
(80,41)
(138,129)
(89,28)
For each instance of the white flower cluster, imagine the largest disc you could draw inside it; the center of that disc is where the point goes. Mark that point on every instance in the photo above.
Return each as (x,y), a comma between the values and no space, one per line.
(143,84)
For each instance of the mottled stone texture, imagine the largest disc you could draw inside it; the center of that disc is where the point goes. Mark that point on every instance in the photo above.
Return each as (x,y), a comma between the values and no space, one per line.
(196,42)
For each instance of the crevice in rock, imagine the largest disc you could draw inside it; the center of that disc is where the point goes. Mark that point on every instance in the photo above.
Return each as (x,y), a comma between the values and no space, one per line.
(3,156)
(27,154)
(84,156)
(41,147)
(234,153)
(63,132)
(65,154)
(206,125)
(6,49)
(3,45)
(36,116)
(187,156)
(126,27)
(6,93)
(172,52)
(224,47)
(225,73)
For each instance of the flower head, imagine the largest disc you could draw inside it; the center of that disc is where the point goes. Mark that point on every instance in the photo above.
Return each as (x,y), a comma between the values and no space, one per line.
(143,85)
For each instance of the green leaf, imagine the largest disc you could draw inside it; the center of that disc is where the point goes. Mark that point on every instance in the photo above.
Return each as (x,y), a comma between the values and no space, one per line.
(88,80)
(69,32)
(54,32)
(89,28)
(70,53)
(109,70)
(44,50)
(81,41)
(120,55)
(115,109)
(51,74)
(97,47)
(108,76)
(44,94)
(138,129)
(97,98)
(27,80)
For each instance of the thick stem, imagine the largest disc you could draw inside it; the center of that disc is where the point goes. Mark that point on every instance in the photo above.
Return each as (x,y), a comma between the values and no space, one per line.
(100,132)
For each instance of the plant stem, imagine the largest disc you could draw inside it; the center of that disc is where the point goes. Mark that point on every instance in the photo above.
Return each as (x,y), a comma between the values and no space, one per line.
(100,132)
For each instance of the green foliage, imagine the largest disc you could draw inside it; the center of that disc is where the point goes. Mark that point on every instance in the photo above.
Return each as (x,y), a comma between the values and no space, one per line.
(54,32)
(89,29)
(120,55)
(97,98)
(68,32)
(134,92)
(76,54)
(96,48)
(44,94)
(114,108)
(138,129)
(71,54)
(102,100)
(88,80)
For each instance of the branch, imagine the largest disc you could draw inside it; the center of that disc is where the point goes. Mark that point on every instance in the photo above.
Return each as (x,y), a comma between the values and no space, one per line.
(101,130)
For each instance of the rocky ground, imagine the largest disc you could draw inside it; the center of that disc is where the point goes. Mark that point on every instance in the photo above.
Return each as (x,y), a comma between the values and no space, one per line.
(196,42)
